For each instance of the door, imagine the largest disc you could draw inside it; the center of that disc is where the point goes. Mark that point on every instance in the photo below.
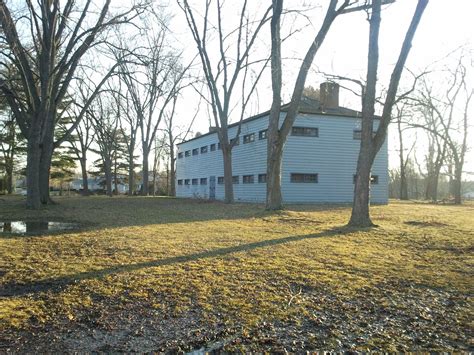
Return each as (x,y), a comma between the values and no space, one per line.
(212,188)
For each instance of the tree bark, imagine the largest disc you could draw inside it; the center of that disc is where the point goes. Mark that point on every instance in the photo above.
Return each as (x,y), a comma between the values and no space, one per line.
(108,177)
(228,183)
(457,183)
(145,170)
(172,174)
(131,174)
(85,177)
(33,200)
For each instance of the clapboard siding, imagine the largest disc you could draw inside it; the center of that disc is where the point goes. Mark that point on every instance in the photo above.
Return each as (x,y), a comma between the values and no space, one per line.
(332,155)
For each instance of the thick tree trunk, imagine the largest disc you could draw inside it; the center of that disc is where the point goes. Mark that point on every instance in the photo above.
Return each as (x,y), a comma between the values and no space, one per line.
(274,197)
(360,216)
(85,177)
(228,183)
(108,178)
(457,183)
(45,168)
(145,171)
(9,171)
(33,200)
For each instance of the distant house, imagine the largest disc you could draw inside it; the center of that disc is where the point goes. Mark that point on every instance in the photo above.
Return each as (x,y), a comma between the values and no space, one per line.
(468,195)
(319,158)
(97,184)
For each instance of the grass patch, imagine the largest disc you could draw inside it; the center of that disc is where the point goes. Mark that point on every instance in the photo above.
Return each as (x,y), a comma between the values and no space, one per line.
(180,274)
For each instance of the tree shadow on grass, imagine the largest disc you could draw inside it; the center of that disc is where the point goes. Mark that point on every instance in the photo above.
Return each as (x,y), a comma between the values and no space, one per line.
(56,285)
(100,212)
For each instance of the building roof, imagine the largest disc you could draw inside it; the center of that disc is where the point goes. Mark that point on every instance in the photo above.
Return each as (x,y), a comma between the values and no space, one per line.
(307,105)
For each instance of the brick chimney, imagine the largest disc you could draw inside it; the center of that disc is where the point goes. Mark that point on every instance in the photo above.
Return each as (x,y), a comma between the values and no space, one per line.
(329,95)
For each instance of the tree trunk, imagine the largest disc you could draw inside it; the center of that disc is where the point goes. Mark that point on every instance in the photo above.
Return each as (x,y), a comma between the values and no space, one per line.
(274,197)
(403,184)
(228,183)
(172,173)
(116,191)
(108,177)
(360,216)
(85,181)
(33,200)
(145,171)
(9,171)
(457,183)
(44,171)
(403,176)
(131,174)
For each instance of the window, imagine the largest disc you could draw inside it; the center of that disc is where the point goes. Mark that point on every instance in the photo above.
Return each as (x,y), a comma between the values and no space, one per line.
(203,181)
(357,134)
(195,181)
(180,155)
(236,140)
(262,134)
(304,178)
(247,179)
(186,181)
(196,151)
(262,178)
(374,179)
(305,131)
(235,179)
(180,182)
(219,146)
(187,153)
(204,149)
(213,147)
(249,138)
(220,180)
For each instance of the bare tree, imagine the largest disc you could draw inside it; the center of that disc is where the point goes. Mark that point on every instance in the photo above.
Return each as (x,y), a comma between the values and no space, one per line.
(107,134)
(46,57)
(82,137)
(152,83)
(451,113)
(370,144)
(232,66)
(404,158)
(276,134)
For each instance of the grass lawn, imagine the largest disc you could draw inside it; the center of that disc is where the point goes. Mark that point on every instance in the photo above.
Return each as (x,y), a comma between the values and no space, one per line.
(156,274)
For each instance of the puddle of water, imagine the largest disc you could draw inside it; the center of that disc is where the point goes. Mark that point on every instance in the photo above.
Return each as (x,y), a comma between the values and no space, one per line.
(35,227)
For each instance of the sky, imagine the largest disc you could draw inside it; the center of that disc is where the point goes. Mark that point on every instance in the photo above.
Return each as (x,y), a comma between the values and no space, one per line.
(445,26)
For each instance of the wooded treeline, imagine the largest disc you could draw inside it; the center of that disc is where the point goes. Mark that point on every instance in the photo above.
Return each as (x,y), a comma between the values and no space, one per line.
(82,81)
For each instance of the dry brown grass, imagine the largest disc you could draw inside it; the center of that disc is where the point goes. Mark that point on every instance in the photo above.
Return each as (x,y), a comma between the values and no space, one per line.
(239,267)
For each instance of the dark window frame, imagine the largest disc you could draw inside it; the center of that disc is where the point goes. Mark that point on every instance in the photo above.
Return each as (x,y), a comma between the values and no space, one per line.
(235,179)
(304,178)
(204,149)
(180,182)
(203,181)
(262,178)
(213,147)
(262,134)
(220,180)
(194,181)
(187,182)
(249,138)
(187,153)
(195,151)
(180,155)
(248,179)
(301,131)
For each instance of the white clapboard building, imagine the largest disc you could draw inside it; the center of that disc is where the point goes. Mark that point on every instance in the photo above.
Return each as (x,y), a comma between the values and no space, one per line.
(319,159)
